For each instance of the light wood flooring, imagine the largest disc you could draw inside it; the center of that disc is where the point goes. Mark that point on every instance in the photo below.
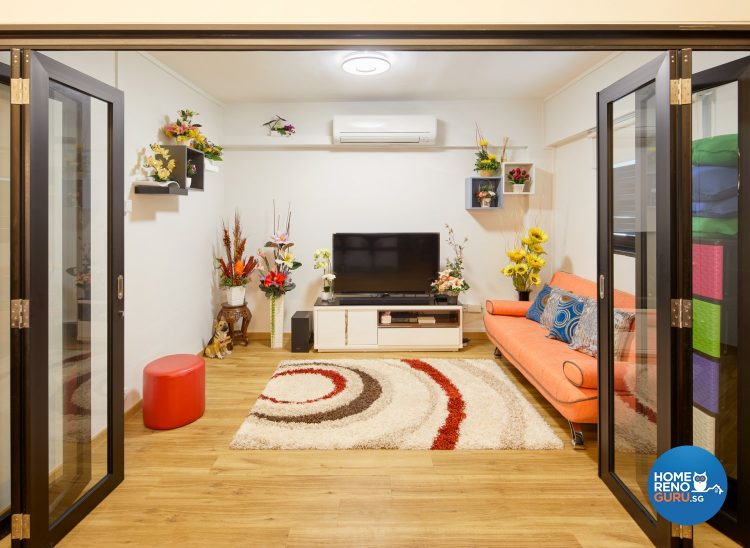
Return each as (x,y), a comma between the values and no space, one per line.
(186,487)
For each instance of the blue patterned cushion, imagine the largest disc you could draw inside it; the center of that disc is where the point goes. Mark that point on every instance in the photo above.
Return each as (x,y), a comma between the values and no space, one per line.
(550,307)
(536,309)
(568,314)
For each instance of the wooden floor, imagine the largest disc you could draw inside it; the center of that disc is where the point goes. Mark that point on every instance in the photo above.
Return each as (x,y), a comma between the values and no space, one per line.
(186,487)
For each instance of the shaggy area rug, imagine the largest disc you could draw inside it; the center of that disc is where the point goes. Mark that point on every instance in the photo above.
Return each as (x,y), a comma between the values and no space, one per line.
(393,404)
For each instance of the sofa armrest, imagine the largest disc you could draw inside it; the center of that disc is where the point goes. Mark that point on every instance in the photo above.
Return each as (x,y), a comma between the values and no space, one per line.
(507,308)
(584,373)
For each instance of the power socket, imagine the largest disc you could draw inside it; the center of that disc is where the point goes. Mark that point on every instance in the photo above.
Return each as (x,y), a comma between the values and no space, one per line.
(472,308)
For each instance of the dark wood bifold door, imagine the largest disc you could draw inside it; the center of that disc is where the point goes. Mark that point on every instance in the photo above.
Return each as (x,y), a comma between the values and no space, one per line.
(67,293)
(721,281)
(644,288)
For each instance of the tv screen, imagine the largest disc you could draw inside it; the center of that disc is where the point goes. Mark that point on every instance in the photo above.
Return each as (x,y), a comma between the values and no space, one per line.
(386,262)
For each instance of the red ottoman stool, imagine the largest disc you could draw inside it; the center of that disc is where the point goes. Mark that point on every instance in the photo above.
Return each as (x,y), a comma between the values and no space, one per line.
(174,391)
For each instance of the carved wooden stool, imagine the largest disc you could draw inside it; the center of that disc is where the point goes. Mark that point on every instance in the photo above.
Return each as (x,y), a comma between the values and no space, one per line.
(238,318)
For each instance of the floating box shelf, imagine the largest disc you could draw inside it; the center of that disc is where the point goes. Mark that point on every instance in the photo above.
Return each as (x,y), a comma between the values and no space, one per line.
(473,184)
(529,187)
(153,189)
(181,155)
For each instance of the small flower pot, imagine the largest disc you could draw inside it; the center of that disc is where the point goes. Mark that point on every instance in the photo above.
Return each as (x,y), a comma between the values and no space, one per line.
(518,189)
(236,295)
(326,295)
(487,172)
(452,299)
(485,202)
(523,295)
(188,182)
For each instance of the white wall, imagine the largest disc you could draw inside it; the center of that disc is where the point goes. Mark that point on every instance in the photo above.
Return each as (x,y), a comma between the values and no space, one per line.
(169,240)
(389,189)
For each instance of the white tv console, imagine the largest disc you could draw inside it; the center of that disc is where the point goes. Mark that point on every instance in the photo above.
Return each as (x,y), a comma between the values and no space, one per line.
(364,327)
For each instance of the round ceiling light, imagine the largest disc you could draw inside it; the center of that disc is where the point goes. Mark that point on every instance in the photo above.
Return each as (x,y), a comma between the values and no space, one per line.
(366,63)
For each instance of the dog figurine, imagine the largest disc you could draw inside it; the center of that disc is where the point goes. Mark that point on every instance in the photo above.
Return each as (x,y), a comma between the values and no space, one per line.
(220,344)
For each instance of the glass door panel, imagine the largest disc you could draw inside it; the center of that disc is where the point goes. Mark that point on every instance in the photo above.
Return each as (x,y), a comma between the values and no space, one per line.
(721,111)
(635,273)
(78,305)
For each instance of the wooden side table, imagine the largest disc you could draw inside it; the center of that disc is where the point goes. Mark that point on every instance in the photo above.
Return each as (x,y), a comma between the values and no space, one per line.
(238,318)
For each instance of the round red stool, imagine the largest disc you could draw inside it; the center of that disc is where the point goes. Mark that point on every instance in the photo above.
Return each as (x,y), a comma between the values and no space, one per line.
(174,391)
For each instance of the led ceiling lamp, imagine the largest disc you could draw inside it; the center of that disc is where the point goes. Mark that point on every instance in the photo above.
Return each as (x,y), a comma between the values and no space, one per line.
(366,63)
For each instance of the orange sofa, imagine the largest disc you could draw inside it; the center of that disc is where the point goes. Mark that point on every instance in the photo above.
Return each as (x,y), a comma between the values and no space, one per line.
(565,377)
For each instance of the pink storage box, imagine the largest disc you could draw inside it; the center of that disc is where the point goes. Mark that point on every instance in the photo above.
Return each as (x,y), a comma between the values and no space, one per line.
(708,271)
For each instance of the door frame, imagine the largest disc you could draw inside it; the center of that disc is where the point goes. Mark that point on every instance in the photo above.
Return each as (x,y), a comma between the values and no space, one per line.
(738,71)
(31,130)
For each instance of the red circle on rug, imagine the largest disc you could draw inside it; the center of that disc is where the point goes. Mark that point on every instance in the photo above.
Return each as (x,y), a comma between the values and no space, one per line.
(338,380)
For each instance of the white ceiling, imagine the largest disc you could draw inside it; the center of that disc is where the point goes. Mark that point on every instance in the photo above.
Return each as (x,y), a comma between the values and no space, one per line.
(292,76)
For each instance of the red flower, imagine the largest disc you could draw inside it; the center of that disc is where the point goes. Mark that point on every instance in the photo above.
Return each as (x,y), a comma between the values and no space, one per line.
(268,280)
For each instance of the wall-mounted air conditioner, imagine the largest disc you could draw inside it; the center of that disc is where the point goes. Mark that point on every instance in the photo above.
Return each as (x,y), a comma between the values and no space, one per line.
(381,129)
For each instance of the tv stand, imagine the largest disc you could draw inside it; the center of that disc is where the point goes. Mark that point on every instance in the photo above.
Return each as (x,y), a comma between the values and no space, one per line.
(387,327)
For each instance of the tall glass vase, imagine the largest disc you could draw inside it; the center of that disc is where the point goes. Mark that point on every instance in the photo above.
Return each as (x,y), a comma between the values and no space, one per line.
(277,321)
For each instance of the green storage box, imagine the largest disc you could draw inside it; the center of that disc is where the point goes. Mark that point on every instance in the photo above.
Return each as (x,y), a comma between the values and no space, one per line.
(721,150)
(707,327)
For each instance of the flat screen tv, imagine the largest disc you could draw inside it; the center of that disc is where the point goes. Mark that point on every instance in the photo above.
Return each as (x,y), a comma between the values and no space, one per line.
(385,262)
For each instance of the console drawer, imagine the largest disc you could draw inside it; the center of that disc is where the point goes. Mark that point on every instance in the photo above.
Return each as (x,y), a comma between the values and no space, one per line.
(416,336)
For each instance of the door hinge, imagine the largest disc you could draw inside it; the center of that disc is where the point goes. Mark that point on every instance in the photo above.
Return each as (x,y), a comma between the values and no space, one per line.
(19,314)
(19,91)
(20,527)
(680,91)
(682,313)
(682,531)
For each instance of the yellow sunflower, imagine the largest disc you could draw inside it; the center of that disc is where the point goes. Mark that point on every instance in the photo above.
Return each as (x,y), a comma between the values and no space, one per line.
(526,241)
(516,254)
(535,261)
(521,269)
(537,248)
(538,235)
(509,270)
(534,279)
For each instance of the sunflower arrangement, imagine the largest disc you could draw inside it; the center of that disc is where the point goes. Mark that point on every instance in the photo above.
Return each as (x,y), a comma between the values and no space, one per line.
(527,260)
(234,269)
(160,162)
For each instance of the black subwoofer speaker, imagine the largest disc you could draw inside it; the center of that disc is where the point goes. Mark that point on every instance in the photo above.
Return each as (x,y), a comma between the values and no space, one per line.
(302,330)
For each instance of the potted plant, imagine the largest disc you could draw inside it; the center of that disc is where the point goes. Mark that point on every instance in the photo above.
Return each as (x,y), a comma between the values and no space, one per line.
(278,127)
(322,258)
(210,150)
(184,130)
(161,163)
(450,282)
(485,194)
(191,170)
(526,262)
(275,276)
(486,164)
(518,178)
(234,269)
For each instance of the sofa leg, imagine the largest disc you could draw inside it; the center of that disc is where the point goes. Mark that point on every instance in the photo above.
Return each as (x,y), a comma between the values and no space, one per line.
(498,354)
(576,433)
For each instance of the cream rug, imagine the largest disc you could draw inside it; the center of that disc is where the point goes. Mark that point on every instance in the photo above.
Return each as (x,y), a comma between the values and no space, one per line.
(393,404)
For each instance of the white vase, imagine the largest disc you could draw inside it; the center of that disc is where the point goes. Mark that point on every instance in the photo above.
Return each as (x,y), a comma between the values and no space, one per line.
(188,182)
(236,295)
(326,295)
(517,189)
(486,202)
(277,321)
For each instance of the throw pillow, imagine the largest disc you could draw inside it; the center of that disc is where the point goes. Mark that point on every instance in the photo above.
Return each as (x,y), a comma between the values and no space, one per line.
(569,310)
(550,308)
(586,337)
(537,307)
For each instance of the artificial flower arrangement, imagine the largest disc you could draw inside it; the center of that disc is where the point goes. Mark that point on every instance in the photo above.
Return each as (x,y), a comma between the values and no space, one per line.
(160,162)
(518,176)
(192,169)
(234,268)
(279,125)
(210,150)
(485,160)
(322,258)
(527,260)
(486,193)
(184,129)
(275,274)
(450,280)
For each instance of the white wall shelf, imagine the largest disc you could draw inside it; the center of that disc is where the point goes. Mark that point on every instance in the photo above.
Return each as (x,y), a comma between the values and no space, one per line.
(530,186)
(326,143)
